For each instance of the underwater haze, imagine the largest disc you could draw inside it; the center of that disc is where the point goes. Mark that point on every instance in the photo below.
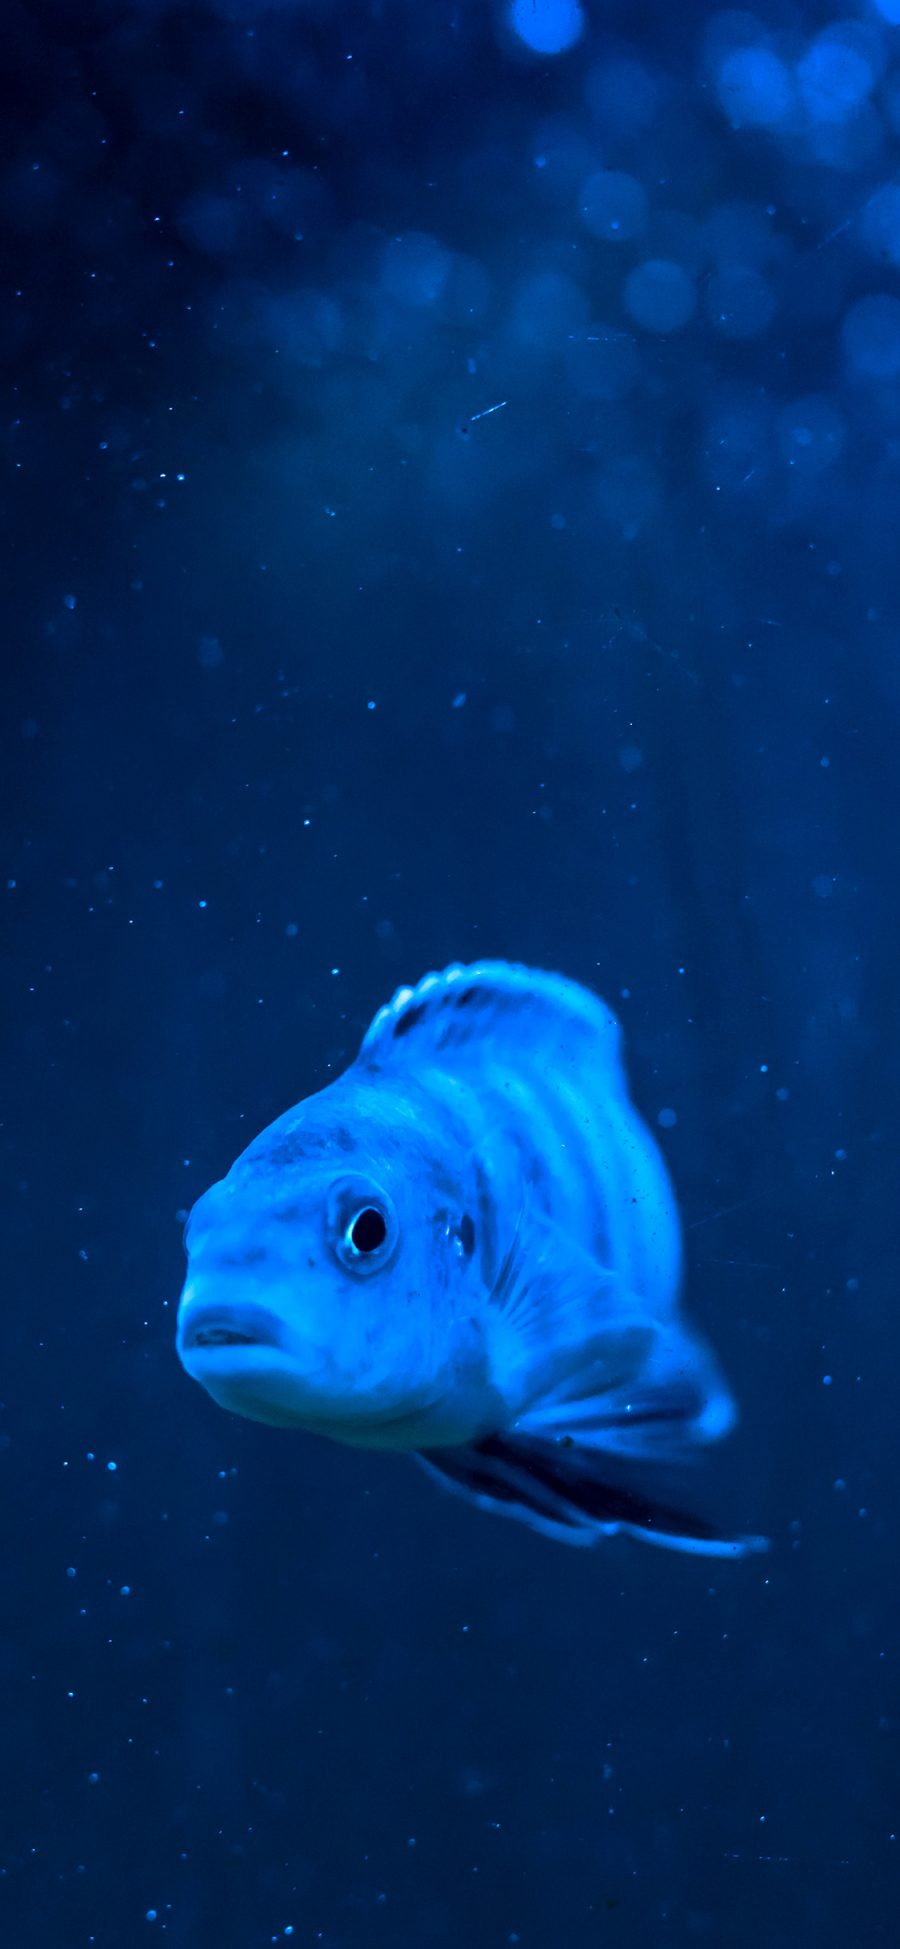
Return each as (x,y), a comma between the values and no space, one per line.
(451,504)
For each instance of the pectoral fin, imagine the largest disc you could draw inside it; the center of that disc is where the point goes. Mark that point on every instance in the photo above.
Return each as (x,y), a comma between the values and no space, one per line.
(555,1310)
(604,1450)
(648,1391)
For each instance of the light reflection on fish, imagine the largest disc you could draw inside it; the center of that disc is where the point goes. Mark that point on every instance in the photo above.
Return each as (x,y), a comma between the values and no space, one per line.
(467,1248)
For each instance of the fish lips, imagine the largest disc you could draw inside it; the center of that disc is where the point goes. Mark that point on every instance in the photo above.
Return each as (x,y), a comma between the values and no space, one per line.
(253,1363)
(249,1363)
(241,1356)
(206,1328)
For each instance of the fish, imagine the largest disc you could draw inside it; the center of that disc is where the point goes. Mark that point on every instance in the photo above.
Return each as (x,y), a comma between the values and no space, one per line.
(466,1249)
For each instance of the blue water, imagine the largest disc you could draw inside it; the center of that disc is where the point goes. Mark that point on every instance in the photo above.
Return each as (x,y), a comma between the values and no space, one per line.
(451,481)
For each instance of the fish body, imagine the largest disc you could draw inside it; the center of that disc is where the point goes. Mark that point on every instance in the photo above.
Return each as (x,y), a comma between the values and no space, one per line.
(467,1247)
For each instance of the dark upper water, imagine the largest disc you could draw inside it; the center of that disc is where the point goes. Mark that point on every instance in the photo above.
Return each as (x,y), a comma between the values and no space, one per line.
(451,496)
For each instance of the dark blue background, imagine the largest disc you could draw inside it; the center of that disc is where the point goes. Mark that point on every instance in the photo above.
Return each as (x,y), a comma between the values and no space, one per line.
(252,1683)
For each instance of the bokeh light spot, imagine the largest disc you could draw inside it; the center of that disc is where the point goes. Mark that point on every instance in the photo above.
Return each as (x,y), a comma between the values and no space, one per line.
(547,26)
(659,295)
(834,77)
(871,336)
(880,224)
(739,302)
(629,492)
(547,307)
(209,222)
(738,439)
(603,362)
(739,233)
(415,269)
(755,88)
(613,206)
(623,95)
(810,434)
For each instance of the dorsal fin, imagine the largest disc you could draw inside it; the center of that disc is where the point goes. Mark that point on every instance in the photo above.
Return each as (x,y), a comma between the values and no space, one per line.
(500,999)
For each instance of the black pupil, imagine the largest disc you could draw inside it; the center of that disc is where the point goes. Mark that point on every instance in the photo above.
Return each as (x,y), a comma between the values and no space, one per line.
(368,1230)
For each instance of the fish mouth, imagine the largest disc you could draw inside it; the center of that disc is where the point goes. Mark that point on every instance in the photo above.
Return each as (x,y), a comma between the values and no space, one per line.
(220,1336)
(244,1357)
(214,1327)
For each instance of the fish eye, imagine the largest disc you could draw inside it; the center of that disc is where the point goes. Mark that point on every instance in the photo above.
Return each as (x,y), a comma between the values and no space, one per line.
(368,1229)
(361,1224)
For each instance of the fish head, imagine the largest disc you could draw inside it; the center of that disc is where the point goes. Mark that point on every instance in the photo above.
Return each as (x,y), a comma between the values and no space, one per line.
(326,1284)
